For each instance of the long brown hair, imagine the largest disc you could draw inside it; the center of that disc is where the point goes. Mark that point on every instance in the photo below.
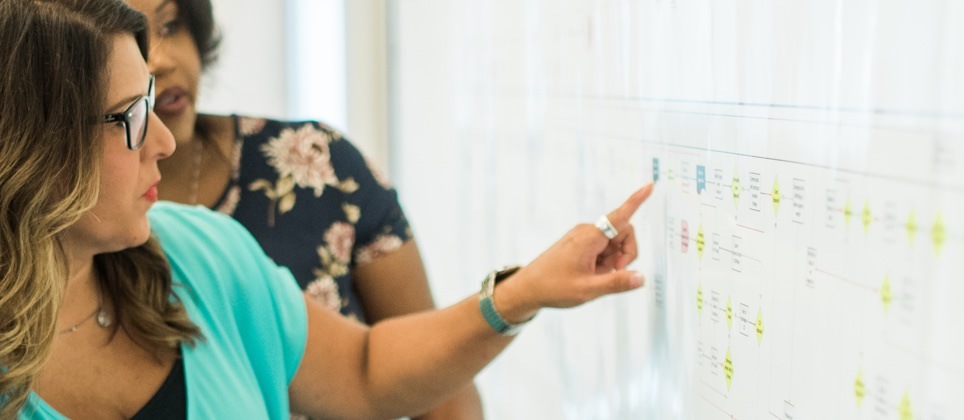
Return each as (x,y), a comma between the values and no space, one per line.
(52,87)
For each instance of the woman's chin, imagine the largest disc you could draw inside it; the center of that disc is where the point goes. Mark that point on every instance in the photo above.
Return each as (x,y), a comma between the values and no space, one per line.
(137,238)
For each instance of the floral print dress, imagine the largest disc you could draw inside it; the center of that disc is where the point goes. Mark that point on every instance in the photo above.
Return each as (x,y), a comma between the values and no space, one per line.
(315,204)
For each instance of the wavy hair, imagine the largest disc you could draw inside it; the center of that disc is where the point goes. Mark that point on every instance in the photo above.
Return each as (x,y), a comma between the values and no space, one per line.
(52,73)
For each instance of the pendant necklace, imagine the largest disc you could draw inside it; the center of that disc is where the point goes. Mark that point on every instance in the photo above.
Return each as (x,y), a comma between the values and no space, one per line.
(103,318)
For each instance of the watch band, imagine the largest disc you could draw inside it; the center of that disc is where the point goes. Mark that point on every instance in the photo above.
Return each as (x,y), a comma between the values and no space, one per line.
(487,305)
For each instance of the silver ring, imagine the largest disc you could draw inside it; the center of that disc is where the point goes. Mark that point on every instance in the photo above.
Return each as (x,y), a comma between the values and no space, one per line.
(606,227)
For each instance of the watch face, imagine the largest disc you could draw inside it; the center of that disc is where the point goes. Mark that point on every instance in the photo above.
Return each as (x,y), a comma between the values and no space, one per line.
(505,272)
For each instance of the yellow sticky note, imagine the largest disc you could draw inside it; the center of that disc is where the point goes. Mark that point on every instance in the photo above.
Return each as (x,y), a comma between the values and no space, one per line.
(729,314)
(911,226)
(699,298)
(939,233)
(859,389)
(904,409)
(775,195)
(700,242)
(728,369)
(759,326)
(886,294)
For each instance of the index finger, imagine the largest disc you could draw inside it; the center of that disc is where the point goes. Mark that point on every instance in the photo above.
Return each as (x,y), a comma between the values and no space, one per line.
(621,215)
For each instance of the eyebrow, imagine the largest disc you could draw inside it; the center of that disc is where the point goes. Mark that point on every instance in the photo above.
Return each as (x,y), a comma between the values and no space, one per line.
(123,103)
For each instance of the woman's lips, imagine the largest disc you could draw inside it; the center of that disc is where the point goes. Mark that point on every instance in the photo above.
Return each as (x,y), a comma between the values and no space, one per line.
(151,194)
(172,101)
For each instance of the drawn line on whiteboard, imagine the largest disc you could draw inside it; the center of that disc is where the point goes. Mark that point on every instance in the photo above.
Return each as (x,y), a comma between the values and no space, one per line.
(718,407)
(713,388)
(954,188)
(849,110)
(846,280)
(923,358)
(813,165)
(750,228)
(738,254)
(875,126)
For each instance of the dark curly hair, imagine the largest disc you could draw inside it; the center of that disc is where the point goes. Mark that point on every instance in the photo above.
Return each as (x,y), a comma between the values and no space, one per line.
(199,18)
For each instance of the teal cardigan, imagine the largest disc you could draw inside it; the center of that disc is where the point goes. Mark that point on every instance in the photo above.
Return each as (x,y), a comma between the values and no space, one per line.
(250,311)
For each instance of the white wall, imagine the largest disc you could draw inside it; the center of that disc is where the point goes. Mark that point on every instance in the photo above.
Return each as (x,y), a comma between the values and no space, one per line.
(250,76)
(316,60)
(367,78)
(304,59)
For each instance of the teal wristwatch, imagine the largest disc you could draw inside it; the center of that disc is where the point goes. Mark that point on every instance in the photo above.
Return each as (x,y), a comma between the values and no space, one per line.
(492,316)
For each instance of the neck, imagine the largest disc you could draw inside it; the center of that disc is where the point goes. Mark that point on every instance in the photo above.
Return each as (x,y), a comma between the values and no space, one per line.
(81,295)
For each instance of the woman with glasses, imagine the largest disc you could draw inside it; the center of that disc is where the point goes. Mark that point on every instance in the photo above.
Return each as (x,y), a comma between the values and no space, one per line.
(115,306)
(308,196)
(134,118)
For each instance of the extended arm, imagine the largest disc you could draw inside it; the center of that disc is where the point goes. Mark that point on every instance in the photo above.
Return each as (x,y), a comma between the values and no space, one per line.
(409,364)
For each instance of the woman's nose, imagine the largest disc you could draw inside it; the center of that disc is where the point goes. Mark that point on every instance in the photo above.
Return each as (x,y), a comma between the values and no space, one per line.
(158,60)
(160,142)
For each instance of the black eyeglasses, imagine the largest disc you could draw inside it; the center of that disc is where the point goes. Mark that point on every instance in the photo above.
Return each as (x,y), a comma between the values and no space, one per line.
(135,118)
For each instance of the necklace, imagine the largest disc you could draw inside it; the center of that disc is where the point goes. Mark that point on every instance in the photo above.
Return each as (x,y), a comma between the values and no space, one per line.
(103,319)
(196,173)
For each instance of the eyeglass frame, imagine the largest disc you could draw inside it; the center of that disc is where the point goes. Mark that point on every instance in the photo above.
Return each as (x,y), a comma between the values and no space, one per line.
(126,115)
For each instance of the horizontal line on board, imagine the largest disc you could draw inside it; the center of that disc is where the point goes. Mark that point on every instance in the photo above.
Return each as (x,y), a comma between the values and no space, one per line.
(849,110)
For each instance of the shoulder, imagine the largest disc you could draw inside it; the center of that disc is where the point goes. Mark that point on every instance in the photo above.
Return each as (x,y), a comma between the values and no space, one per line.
(259,127)
(195,236)
(286,144)
(290,132)
(186,222)
(214,255)
(224,280)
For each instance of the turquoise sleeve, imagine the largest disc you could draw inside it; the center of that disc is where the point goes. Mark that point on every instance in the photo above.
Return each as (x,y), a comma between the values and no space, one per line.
(250,310)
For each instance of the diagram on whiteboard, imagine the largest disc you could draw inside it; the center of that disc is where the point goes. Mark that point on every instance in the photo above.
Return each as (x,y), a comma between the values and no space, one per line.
(817,301)
(804,246)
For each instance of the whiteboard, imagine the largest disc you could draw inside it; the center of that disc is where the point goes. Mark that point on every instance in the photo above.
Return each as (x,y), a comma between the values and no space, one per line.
(803,249)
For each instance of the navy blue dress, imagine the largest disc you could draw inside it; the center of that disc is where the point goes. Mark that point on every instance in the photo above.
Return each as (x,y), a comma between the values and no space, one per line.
(314,203)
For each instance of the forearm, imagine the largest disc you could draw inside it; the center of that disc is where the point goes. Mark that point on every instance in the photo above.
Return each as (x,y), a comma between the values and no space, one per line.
(384,300)
(416,362)
(465,405)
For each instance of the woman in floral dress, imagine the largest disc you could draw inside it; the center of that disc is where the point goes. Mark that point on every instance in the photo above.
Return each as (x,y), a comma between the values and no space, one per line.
(310,198)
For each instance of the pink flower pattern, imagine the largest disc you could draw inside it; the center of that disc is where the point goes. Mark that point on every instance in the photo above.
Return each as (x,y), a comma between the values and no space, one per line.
(230,201)
(340,238)
(304,155)
(316,234)
(325,291)
(248,125)
(381,246)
